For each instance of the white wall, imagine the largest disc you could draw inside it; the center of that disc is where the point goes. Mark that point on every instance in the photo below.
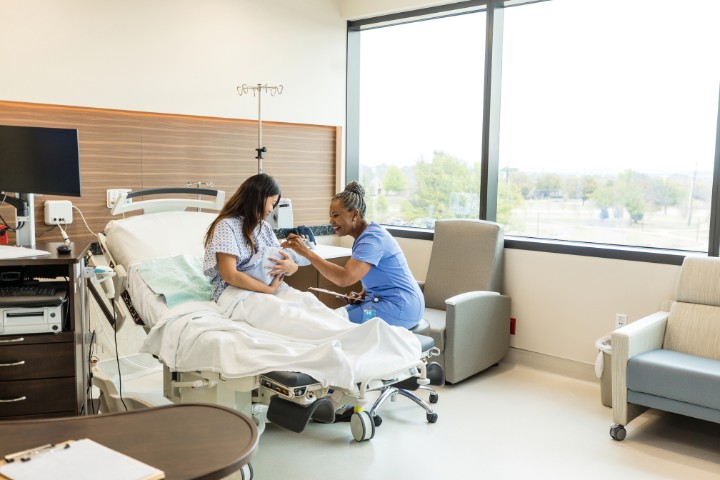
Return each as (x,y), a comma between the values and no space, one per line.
(356,9)
(177,56)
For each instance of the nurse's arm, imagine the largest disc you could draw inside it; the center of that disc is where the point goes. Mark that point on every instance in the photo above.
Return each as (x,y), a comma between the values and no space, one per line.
(342,276)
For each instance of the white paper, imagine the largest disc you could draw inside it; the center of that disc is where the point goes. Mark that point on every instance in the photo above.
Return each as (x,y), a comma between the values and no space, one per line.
(8,251)
(82,460)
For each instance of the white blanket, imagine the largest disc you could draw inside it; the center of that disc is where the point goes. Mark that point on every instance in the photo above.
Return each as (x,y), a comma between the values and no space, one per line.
(250,333)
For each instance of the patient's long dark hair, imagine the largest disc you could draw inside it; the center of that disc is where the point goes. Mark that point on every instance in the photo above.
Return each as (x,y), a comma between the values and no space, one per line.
(249,203)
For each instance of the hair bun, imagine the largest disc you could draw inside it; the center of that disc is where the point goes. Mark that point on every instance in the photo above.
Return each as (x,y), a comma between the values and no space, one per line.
(356,188)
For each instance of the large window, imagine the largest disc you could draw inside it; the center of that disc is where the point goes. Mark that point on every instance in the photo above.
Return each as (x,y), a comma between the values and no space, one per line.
(421,94)
(607,120)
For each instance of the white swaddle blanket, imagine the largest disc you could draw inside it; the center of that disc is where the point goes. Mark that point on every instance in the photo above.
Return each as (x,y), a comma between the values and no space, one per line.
(259,264)
(249,333)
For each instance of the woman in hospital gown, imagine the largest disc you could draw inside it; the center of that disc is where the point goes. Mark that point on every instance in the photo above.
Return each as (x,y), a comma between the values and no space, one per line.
(377,261)
(238,233)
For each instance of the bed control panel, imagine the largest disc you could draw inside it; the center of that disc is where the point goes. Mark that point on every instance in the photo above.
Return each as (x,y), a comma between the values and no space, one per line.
(302,394)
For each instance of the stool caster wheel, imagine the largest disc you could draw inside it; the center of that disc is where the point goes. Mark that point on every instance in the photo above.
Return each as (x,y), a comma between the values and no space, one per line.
(618,432)
(434,398)
(432,417)
(377,419)
(362,426)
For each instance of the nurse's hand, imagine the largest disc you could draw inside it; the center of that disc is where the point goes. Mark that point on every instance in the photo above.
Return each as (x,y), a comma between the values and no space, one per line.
(283,266)
(357,297)
(296,244)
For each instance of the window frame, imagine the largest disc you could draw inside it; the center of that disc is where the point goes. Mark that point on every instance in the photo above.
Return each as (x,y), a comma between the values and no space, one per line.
(490,135)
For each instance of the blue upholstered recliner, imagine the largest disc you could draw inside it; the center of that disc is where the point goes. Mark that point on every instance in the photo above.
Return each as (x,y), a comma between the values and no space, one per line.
(671,360)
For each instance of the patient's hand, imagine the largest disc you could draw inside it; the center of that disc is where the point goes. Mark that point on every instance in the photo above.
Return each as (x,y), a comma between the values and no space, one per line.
(283,266)
(275,284)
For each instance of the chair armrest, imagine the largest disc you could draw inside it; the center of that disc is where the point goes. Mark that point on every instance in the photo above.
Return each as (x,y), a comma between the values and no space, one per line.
(421,284)
(638,337)
(477,332)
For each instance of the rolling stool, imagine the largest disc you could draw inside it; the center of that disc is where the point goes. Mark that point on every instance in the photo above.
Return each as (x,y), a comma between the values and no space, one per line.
(435,377)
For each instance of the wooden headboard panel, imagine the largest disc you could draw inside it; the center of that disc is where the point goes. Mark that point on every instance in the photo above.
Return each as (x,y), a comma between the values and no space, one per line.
(125,149)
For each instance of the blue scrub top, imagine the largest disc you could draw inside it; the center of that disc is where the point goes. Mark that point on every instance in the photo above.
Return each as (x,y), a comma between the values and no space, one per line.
(400,301)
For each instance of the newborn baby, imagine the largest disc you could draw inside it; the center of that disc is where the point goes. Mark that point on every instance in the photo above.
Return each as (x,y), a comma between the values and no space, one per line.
(258,263)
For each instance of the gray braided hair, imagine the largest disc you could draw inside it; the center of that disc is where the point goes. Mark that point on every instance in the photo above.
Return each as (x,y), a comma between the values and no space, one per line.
(353,197)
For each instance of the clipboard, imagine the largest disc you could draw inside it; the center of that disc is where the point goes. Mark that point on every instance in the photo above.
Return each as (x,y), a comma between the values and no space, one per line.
(330,292)
(80,460)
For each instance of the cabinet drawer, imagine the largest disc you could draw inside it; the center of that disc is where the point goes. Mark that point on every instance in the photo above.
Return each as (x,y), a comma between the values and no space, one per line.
(30,397)
(27,362)
(304,278)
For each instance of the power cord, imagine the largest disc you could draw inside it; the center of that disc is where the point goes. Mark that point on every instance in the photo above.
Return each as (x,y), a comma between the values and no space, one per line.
(66,239)
(117,358)
(92,360)
(83,219)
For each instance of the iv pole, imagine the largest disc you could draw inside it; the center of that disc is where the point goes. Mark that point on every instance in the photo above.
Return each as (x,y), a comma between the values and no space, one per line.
(244,89)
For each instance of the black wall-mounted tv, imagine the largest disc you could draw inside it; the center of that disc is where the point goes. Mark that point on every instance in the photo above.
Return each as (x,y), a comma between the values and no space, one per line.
(39,160)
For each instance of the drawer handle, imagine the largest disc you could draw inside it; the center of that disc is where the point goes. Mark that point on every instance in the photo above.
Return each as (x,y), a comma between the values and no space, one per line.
(14,364)
(19,399)
(21,339)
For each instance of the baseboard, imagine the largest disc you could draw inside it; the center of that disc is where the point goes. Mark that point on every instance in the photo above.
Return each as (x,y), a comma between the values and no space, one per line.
(549,363)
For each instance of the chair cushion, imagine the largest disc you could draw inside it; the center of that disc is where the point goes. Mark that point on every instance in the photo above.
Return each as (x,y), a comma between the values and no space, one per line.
(677,376)
(436,319)
(698,281)
(693,329)
(478,267)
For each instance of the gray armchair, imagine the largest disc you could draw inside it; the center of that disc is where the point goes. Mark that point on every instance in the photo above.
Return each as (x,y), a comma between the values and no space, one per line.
(465,314)
(671,360)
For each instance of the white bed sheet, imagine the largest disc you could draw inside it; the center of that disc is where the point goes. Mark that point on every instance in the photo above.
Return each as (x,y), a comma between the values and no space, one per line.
(250,333)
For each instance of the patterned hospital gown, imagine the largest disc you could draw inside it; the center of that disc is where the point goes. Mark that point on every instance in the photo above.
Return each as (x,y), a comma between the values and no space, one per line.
(228,238)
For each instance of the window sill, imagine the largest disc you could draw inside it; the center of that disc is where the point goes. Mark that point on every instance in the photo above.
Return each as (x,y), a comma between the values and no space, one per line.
(616,252)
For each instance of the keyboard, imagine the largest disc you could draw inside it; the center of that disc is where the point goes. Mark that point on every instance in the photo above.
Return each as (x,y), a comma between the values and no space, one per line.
(27,291)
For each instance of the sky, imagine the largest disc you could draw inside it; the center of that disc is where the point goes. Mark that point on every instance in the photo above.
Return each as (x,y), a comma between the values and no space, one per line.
(584,87)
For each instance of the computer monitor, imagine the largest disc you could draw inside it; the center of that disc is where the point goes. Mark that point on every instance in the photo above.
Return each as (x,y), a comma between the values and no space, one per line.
(37,160)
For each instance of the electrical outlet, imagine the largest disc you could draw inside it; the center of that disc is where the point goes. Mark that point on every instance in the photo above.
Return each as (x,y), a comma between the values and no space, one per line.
(58,212)
(620,320)
(114,193)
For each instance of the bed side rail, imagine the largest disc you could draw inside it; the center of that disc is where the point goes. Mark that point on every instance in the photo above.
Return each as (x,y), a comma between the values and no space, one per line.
(122,205)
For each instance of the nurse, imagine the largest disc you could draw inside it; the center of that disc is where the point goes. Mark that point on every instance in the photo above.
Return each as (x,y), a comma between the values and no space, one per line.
(377,261)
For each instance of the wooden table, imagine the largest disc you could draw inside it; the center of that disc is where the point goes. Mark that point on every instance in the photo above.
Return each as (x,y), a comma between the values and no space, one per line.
(188,441)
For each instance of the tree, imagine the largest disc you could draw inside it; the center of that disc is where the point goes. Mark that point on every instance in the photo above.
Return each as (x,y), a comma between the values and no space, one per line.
(438,180)
(666,193)
(509,198)
(549,185)
(394,180)
(631,190)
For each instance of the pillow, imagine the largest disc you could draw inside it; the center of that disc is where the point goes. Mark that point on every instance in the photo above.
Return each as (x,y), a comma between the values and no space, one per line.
(162,234)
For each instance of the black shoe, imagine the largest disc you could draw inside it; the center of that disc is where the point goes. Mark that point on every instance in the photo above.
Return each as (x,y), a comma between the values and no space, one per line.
(345,415)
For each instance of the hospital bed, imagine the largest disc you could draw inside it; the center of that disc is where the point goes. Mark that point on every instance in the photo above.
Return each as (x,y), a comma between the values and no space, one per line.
(196,340)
